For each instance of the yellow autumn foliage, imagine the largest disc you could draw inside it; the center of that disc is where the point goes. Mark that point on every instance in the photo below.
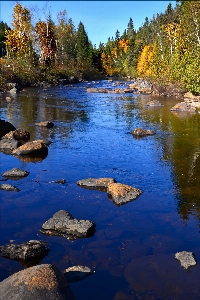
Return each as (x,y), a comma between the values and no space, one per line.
(145,60)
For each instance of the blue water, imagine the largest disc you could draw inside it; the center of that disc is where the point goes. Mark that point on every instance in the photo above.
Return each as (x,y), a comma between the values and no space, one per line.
(132,251)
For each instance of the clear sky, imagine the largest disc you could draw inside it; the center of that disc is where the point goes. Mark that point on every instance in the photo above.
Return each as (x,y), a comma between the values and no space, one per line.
(100,18)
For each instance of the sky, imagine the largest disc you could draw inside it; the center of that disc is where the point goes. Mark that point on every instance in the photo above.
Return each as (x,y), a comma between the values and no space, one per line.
(101,19)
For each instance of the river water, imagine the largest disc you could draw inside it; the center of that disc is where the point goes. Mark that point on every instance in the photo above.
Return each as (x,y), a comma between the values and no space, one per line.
(132,251)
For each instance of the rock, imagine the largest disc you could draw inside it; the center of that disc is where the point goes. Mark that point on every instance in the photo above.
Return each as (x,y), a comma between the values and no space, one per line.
(143,86)
(186,259)
(97,90)
(46,142)
(5,127)
(8,187)
(77,273)
(45,124)
(20,134)
(42,282)
(154,103)
(62,223)
(122,193)
(29,253)
(15,173)
(6,144)
(142,132)
(184,107)
(96,183)
(190,96)
(34,147)
(61,181)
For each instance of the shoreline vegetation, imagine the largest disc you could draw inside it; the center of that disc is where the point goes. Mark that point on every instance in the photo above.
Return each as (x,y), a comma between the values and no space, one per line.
(164,50)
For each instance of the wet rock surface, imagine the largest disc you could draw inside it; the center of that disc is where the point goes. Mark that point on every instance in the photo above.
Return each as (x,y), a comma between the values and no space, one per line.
(28,253)
(186,259)
(122,193)
(96,183)
(9,187)
(184,107)
(34,147)
(8,145)
(15,173)
(5,127)
(62,223)
(45,124)
(44,282)
(142,132)
(77,273)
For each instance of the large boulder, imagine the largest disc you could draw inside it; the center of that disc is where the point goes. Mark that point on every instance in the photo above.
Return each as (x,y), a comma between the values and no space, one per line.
(122,193)
(34,147)
(21,135)
(62,223)
(42,282)
(14,139)
(29,253)
(5,127)
(15,173)
(140,132)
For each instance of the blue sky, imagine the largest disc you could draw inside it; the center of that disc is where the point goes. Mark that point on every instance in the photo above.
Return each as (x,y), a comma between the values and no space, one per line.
(100,18)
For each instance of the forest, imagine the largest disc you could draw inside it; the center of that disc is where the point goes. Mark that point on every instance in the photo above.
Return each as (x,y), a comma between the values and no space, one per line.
(165,48)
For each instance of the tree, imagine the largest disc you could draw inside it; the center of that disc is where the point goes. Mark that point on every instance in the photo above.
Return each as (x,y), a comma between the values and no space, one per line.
(3,28)
(84,54)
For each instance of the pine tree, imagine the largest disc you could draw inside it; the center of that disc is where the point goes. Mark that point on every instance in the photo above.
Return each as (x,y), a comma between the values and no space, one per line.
(84,54)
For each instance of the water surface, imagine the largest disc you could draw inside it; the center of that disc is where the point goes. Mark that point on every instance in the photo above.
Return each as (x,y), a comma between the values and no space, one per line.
(132,251)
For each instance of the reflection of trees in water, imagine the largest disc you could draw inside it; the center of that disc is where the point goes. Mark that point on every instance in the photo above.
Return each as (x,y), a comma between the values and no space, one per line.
(182,148)
(37,105)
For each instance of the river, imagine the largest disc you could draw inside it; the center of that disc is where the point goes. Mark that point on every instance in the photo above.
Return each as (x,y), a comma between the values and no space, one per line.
(132,251)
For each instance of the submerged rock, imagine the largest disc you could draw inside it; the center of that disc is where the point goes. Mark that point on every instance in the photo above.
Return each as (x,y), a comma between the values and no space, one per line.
(142,132)
(5,127)
(34,147)
(28,253)
(15,173)
(186,259)
(96,183)
(154,103)
(77,273)
(62,223)
(45,124)
(122,193)
(8,187)
(42,282)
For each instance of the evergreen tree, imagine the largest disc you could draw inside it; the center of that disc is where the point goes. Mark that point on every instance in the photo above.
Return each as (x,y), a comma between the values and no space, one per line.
(84,54)
(3,28)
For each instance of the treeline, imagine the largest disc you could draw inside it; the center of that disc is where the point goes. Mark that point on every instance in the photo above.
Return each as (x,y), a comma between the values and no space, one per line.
(165,48)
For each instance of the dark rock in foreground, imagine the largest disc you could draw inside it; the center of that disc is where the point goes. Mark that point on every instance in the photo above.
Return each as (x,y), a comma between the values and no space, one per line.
(142,132)
(43,282)
(122,193)
(45,124)
(34,147)
(62,223)
(28,253)
(77,273)
(186,259)
(8,187)
(5,127)
(96,183)
(15,173)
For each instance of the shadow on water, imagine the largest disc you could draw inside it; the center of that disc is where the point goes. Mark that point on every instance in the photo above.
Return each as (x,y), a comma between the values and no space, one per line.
(133,248)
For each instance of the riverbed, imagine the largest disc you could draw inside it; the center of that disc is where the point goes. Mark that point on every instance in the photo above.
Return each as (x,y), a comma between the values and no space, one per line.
(133,249)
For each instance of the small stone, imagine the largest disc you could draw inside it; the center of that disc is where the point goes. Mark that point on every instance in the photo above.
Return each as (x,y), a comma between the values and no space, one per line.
(61,181)
(77,273)
(45,124)
(96,182)
(142,132)
(186,259)
(15,172)
(8,187)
